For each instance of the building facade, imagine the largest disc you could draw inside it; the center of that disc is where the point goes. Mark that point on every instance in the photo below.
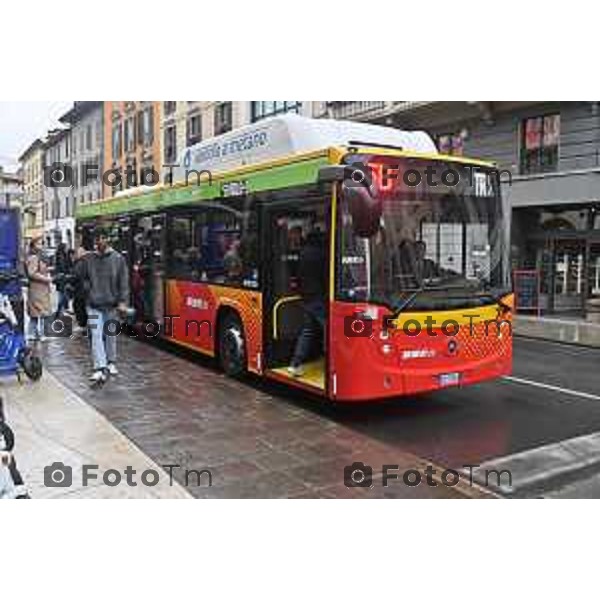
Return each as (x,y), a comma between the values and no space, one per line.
(11,189)
(32,167)
(86,122)
(132,141)
(59,201)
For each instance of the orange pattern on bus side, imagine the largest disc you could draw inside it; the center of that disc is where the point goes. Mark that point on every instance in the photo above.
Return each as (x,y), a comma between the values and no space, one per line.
(191,302)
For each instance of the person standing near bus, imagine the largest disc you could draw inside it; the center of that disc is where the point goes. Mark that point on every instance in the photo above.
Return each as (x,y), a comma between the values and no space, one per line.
(106,282)
(62,275)
(38,297)
(312,275)
(79,293)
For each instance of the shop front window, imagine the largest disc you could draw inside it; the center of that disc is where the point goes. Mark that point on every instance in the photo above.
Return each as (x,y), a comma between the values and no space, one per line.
(451,144)
(539,144)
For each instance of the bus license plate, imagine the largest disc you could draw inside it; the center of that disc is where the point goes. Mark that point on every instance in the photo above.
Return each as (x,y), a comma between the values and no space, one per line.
(448,379)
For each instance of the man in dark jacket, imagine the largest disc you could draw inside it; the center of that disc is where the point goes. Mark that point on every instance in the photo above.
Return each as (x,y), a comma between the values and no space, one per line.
(312,275)
(106,284)
(62,277)
(79,291)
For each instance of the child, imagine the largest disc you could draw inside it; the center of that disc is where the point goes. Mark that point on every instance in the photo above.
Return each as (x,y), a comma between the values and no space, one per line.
(7,486)
(11,482)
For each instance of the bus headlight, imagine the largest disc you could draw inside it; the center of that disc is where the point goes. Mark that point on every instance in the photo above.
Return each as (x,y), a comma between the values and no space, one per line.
(387,349)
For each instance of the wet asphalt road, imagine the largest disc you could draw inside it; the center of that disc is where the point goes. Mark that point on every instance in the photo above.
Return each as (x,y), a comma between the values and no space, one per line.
(265,441)
(456,427)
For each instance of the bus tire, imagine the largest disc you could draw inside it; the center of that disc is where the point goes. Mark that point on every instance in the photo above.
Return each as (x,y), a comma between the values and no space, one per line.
(232,346)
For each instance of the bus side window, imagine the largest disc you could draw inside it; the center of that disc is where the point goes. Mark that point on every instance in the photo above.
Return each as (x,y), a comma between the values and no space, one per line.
(181,258)
(231,240)
(217,243)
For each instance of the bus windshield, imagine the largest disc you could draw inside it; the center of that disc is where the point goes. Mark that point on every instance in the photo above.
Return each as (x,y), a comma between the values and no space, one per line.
(437,246)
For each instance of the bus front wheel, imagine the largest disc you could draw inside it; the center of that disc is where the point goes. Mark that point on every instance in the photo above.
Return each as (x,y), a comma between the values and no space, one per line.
(232,346)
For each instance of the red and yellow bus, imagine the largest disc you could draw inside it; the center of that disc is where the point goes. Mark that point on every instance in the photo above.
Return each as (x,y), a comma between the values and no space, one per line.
(415,246)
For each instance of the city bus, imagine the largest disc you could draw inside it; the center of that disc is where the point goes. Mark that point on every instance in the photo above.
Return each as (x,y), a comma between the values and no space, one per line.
(413,267)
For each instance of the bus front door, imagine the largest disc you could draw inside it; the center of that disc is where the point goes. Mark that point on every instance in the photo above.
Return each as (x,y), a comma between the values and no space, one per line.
(148,268)
(290,314)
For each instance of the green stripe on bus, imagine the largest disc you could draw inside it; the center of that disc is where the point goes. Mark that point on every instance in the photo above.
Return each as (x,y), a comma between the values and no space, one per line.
(272,178)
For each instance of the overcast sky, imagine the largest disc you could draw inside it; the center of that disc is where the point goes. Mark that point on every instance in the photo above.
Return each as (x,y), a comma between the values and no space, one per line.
(22,122)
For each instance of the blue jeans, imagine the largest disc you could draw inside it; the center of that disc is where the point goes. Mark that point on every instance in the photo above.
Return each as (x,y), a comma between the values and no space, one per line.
(312,333)
(104,347)
(63,302)
(35,328)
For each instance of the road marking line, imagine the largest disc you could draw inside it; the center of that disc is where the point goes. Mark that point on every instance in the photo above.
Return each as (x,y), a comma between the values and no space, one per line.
(553,388)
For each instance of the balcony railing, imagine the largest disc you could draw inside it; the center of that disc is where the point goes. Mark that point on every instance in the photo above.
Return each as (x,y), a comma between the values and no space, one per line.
(365,110)
(343,109)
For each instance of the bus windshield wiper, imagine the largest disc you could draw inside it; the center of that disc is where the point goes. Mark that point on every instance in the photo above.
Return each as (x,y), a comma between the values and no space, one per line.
(415,293)
(409,301)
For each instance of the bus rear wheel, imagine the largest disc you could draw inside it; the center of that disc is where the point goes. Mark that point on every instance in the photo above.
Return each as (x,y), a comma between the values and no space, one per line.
(232,346)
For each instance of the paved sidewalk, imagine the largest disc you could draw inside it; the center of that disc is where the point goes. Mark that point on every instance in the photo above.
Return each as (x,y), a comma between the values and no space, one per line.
(52,424)
(576,332)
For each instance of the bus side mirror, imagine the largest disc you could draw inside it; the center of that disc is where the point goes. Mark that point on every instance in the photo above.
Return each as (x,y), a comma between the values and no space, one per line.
(365,210)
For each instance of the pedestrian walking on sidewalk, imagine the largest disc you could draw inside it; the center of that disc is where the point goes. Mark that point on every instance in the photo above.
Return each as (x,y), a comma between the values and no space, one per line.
(62,278)
(79,293)
(106,283)
(39,302)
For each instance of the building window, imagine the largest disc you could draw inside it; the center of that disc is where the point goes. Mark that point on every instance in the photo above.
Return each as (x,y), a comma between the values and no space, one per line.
(130,175)
(223,117)
(88,137)
(170,144)
(148,126)
(169,107)
(539,144)
(269,108)
(194,130)
(451,144)
(116,140)
(129,134)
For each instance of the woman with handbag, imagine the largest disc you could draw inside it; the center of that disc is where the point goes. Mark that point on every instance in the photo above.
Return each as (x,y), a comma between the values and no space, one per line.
(38,298)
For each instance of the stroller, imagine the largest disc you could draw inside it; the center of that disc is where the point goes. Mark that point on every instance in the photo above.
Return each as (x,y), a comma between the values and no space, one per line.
(15,356)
